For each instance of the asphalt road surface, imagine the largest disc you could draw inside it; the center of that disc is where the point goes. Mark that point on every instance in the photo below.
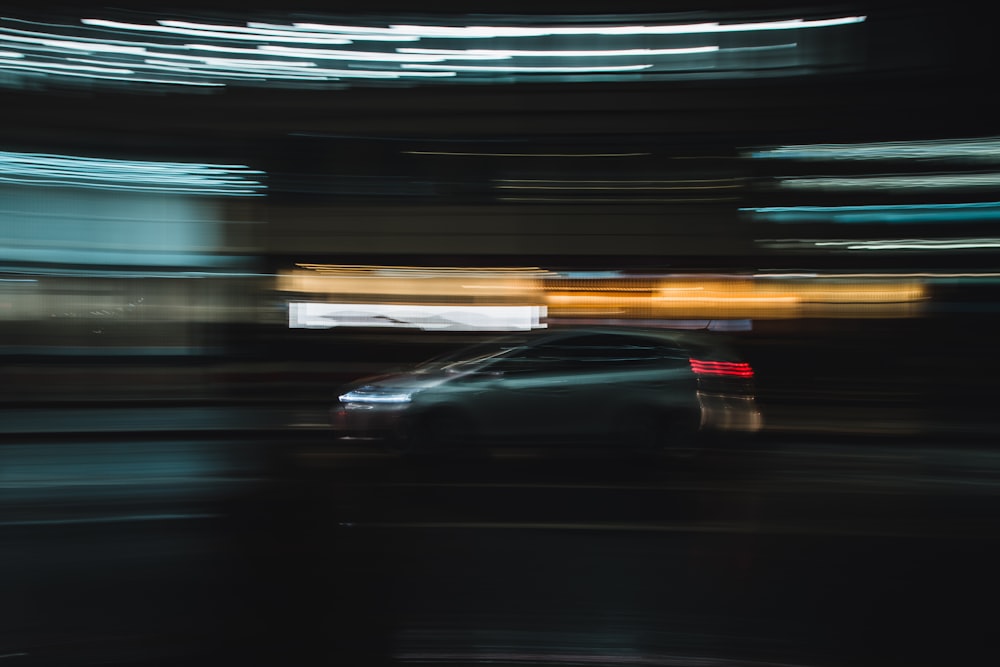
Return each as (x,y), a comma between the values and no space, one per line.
(171,552)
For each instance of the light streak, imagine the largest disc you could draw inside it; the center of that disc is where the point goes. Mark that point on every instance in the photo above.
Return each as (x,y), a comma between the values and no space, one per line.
(458,153)
(360,56)
(891,276)
(731,368)
(40,169)
(887,213)
(624,199)
(916,244)
(511,53)
(118,49)
(486,32)
(894,182)
(886,244)
(354,33)
(225,32)
(514,69)
(451,317)
(544,184)
(985,149)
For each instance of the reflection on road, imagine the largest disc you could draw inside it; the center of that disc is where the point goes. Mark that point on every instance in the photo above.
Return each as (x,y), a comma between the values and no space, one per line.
(298,551)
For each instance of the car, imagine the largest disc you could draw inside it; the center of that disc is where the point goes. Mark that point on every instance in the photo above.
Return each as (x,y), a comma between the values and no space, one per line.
(628,388)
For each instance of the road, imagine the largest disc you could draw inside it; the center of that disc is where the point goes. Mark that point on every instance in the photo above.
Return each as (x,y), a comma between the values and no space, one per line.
(297,551)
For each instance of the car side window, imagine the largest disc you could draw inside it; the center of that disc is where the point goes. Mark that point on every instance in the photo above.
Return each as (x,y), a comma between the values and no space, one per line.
(591,352)
(604,351)
(527,360)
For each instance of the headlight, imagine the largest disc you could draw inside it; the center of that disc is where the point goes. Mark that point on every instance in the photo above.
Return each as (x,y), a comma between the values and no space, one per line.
(375,395)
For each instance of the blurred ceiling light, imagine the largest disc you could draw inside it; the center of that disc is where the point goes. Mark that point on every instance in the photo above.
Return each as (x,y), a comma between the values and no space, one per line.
(509,53)
(458,153)
(885,275)
(219,31)
(143,51)
(915,244)
(40,169)
(429,271)
(354,33)
(678,184)
(414,316)
(893,182)
(883,244)
(984,149)
(485,32)
(886,213)
(513,68)
(623,199)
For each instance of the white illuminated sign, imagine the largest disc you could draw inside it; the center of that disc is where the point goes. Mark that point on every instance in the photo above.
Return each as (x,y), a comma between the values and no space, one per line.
(427,318)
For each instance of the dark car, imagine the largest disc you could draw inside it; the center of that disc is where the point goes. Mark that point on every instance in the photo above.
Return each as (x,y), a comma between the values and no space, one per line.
(630,388)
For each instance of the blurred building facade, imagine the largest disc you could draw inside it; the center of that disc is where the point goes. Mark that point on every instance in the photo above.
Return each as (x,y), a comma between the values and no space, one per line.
(620,157)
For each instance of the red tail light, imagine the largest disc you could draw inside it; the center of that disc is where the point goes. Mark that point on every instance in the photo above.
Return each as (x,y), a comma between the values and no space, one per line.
(739,369)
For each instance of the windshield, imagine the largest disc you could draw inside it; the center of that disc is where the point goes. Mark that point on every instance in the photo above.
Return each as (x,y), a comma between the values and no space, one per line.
(472,357)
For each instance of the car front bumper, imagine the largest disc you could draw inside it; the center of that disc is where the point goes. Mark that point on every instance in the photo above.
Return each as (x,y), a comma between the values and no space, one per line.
(369,421)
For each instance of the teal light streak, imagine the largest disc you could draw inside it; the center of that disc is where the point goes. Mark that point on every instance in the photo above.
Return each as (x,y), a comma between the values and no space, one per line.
(45,170)
(883,214)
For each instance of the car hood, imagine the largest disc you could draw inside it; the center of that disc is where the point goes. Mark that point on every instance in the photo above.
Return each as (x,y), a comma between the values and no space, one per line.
(405,381)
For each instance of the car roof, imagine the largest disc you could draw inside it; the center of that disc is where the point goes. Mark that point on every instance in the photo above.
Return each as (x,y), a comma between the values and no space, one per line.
(696,343)
(691,339)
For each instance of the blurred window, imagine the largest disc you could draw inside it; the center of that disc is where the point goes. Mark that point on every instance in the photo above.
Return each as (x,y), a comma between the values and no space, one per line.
(592,352)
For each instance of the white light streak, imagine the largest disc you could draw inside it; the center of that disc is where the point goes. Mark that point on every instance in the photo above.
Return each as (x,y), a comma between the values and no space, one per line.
(114,50)
(235,63)
(618,200)
(224,33)
(383,396)
(617,185)
(510,53)
(464,154)
(234,29)
(41,169)
(894,182)
(46,41)
(888,276)
(128,79)
(768,47)
(354,33)
(887,244)
(328,54)
(984,149)
(915,244)
(486,32)
(502,68)
(276,70)
(91,47)
(882,213)
(40,64)
(457,317)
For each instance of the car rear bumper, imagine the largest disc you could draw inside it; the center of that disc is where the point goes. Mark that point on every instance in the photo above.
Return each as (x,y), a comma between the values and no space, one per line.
(730,412)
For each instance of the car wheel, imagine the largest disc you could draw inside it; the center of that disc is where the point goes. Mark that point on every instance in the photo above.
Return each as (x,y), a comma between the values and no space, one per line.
(441,432)
(652,431)
(680,435)
(641,430)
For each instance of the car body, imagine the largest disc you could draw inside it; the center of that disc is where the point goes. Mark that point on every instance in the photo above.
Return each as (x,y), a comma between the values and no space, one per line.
(579,386)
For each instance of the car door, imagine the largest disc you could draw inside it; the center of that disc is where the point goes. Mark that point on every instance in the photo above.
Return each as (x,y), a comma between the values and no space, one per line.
(619,374)
(558,392)
(529,399)
(601,371)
